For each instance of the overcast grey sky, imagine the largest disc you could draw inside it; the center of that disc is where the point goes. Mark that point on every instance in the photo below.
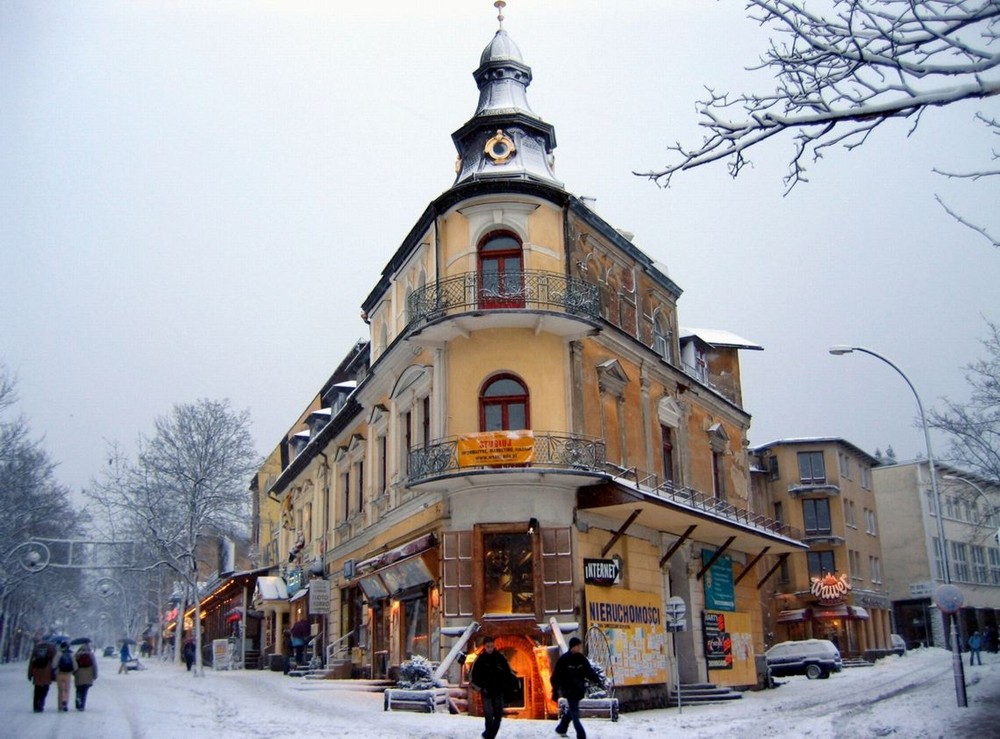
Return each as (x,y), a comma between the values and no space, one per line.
(195,198)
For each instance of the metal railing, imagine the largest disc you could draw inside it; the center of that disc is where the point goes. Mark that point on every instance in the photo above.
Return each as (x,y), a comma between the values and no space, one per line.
(697,500)
(560,451)
(530,290)
(568,451)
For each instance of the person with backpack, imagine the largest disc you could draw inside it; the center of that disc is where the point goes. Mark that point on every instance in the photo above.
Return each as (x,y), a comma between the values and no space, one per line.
(86,674)
(65,669)
(41,668)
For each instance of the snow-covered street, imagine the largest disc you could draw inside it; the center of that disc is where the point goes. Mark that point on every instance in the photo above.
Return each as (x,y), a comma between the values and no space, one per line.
(911,696)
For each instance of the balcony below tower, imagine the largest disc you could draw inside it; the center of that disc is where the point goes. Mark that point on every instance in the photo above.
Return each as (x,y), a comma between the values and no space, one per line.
(503,453)
(547,302)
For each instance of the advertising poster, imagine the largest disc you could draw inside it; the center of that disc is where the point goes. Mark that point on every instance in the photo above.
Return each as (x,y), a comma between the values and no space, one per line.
(634,625)
(732,661)
(718,644)
(720,594)
(495,448)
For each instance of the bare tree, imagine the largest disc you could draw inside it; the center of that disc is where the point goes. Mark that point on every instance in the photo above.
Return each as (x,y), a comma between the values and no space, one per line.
(189,480)
(843,73)
(974,426)
(32,504)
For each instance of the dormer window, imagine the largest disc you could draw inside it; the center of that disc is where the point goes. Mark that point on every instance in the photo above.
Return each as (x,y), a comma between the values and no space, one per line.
(298,442)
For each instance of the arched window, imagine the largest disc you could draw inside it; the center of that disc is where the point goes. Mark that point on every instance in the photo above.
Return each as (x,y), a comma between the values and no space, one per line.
(501,271)
(661,337)
(503,404)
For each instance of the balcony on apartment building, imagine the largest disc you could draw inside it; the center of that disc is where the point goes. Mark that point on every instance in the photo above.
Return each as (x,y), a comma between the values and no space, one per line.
(520,452)
(603,487)
(813,488)
(541,301)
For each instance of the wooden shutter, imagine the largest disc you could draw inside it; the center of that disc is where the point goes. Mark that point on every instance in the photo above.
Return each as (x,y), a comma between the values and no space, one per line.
(456,572)
(557,571)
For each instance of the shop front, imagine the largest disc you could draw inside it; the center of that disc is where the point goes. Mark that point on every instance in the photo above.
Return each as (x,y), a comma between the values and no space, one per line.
(389,605)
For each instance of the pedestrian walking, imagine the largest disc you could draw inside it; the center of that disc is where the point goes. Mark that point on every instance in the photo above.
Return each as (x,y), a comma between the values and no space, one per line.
(86,674)
(491,677)
(188,652)
(975,645)
(124,656)
(41,668)
(569,680)
(65,669)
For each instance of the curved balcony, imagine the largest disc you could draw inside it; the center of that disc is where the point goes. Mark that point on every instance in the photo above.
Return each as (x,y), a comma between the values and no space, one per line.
(506,452)
(542,301)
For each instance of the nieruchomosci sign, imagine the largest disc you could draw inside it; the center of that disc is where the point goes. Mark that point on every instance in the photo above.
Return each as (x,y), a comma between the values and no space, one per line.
(634,625)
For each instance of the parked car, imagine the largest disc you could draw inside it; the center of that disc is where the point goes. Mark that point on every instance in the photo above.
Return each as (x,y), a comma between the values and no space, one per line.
(814,658)
(109,651)
(898,644)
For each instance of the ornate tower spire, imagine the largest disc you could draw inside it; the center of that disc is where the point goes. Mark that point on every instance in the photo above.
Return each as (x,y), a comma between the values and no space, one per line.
(504,138)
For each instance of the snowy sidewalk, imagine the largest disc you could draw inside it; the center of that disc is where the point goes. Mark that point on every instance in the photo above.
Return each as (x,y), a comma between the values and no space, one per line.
(911,696)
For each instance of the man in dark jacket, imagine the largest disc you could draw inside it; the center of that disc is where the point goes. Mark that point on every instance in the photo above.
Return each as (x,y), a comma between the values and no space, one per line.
(569,680)
(41,669)
(491,676)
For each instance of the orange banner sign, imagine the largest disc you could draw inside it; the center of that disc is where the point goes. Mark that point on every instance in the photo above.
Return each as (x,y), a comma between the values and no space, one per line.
(496,448)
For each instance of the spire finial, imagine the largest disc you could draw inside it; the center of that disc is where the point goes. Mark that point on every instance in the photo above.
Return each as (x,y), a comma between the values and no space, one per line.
(500,5)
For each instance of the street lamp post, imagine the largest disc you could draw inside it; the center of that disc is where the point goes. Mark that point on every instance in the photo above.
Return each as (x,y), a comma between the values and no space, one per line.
(945,564)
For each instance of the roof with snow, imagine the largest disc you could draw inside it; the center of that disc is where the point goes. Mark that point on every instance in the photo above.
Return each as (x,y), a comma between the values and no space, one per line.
(719,337)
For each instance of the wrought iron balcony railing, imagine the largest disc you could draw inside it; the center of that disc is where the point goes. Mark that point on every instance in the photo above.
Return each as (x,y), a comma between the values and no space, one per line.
(530,290)
(558,451)
(527,449)
(691,498)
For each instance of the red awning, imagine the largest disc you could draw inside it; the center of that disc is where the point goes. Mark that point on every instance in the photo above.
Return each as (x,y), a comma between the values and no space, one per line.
(830,612)
(796,615)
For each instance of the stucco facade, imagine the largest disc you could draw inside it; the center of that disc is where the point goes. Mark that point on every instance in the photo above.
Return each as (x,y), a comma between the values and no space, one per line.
(913,565)
(837,590)
(522,416)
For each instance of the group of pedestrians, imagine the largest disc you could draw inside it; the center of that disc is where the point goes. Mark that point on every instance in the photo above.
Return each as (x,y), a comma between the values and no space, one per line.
(492,676)
(51,663)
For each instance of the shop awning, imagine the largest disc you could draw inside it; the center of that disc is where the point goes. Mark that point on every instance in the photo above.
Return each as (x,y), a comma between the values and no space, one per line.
(831,612)
(398,577)
(271,588)
(420,544)
(795,615)
(859,613)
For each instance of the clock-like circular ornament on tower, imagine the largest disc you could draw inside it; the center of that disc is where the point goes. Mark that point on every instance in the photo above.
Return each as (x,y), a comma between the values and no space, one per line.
(500,148)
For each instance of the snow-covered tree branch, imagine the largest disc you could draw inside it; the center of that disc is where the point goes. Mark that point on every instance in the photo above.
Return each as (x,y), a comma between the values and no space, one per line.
(190,480)
(843,72)
(973,427)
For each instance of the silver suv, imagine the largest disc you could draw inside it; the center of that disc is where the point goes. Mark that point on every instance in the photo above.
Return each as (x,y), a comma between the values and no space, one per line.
(810,657)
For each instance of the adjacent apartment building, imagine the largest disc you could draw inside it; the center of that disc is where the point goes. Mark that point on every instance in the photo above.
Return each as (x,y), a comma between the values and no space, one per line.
(911,546)
(836,590)
(527,445)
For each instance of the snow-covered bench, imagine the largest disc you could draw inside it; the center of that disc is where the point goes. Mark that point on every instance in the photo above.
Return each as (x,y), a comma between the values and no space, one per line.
(424,701)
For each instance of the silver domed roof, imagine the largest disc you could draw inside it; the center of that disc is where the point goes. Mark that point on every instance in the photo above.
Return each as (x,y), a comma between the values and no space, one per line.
(502,47)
